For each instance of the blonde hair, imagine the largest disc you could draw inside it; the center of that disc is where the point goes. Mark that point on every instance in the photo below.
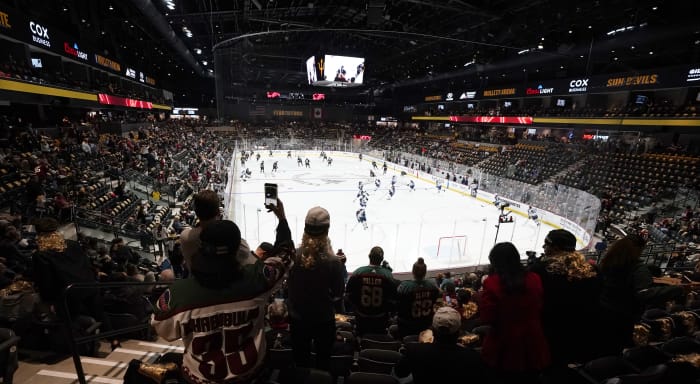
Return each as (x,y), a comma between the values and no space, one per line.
(314,249)
(573,265)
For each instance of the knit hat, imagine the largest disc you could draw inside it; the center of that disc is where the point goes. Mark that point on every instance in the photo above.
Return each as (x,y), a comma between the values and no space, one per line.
(219,247)
(562,239)
(446,321)
(317,222)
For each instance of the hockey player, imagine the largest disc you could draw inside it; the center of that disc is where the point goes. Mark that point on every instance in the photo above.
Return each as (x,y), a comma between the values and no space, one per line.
(438,185)
(392,191)
(360,156)
(270,153)
(245,175)
(307,162)
(384,167)
(363,200)
(377,183)
(532,214)
(257,157)
(371,173)
(393,180)
(411,186)
(329,160)
(262,167)
(374,164)
(289,154)
(473,187)
(274,167)
(360,185)
(300,162)
(361,217)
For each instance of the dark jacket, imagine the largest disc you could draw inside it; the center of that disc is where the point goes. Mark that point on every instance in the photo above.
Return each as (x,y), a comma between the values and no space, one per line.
(441,362)
(571,310)
(624,295)
(315,293)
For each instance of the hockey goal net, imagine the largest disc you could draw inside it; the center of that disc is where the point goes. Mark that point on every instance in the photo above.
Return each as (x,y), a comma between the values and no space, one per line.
(452,247)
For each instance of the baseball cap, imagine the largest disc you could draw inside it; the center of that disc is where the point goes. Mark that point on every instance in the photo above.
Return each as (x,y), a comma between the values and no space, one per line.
(446,321)
(317,222)
(561,239)
(265,246)
(219,245)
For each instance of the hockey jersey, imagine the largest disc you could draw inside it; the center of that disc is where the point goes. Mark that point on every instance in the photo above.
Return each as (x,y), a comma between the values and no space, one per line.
(416,299)
(222,329)
(372,290)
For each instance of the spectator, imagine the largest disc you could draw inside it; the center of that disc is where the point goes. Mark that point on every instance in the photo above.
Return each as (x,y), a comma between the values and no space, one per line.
(206,207)
(160,234)
(278,335)
(343,259)
(224,302)
(263,250)
(59,263)
(511,304)
(571,291)
(442,358)
(447,280)
(315,292)
(372,291)
(626,290)
(416,300)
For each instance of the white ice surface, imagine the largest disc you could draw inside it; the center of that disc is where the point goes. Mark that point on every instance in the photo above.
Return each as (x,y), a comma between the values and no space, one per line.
(407,226)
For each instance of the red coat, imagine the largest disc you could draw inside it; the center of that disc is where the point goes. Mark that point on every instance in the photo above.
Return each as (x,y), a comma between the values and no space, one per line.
(516,341)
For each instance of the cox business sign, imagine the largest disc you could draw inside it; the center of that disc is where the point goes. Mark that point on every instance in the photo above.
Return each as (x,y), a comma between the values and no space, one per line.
(578,85)
(40,34)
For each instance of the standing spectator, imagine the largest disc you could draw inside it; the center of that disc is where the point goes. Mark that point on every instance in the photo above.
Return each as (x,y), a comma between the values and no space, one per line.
(511,304)
(626,290)
(571,290)
(442,360)
(372,291)
(220,313)
(315,292)
(160,234)
(206,206)
(343,259)
(416,300)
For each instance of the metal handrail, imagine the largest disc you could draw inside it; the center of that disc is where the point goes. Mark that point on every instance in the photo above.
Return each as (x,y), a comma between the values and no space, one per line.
(73,341)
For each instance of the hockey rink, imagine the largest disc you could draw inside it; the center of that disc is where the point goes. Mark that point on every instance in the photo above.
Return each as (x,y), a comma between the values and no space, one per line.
(449,229)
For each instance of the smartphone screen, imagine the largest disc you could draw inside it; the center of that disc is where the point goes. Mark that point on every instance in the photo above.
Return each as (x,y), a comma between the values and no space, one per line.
(270,194)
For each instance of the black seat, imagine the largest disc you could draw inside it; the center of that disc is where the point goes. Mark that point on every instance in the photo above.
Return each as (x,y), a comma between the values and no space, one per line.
(341,366)
(608,367)
(280,358)
(304,376)
(372,341)
(378,360)
(681,346)
(8,355)
(652,375)
(370,378)
(645,356)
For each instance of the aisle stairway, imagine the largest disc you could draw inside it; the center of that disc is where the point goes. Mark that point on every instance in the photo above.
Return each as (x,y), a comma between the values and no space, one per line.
(107,370)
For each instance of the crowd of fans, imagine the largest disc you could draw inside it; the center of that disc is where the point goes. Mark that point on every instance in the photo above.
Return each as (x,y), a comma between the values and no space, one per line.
(511,323)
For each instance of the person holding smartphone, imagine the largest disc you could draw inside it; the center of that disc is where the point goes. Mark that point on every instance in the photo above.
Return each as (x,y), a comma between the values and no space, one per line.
(316,288)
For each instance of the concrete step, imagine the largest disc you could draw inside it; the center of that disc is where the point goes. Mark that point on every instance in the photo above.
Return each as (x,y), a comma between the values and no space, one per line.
(107,370)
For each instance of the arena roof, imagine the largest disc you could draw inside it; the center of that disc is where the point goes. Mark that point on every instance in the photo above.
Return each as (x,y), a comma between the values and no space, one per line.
(404,42)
